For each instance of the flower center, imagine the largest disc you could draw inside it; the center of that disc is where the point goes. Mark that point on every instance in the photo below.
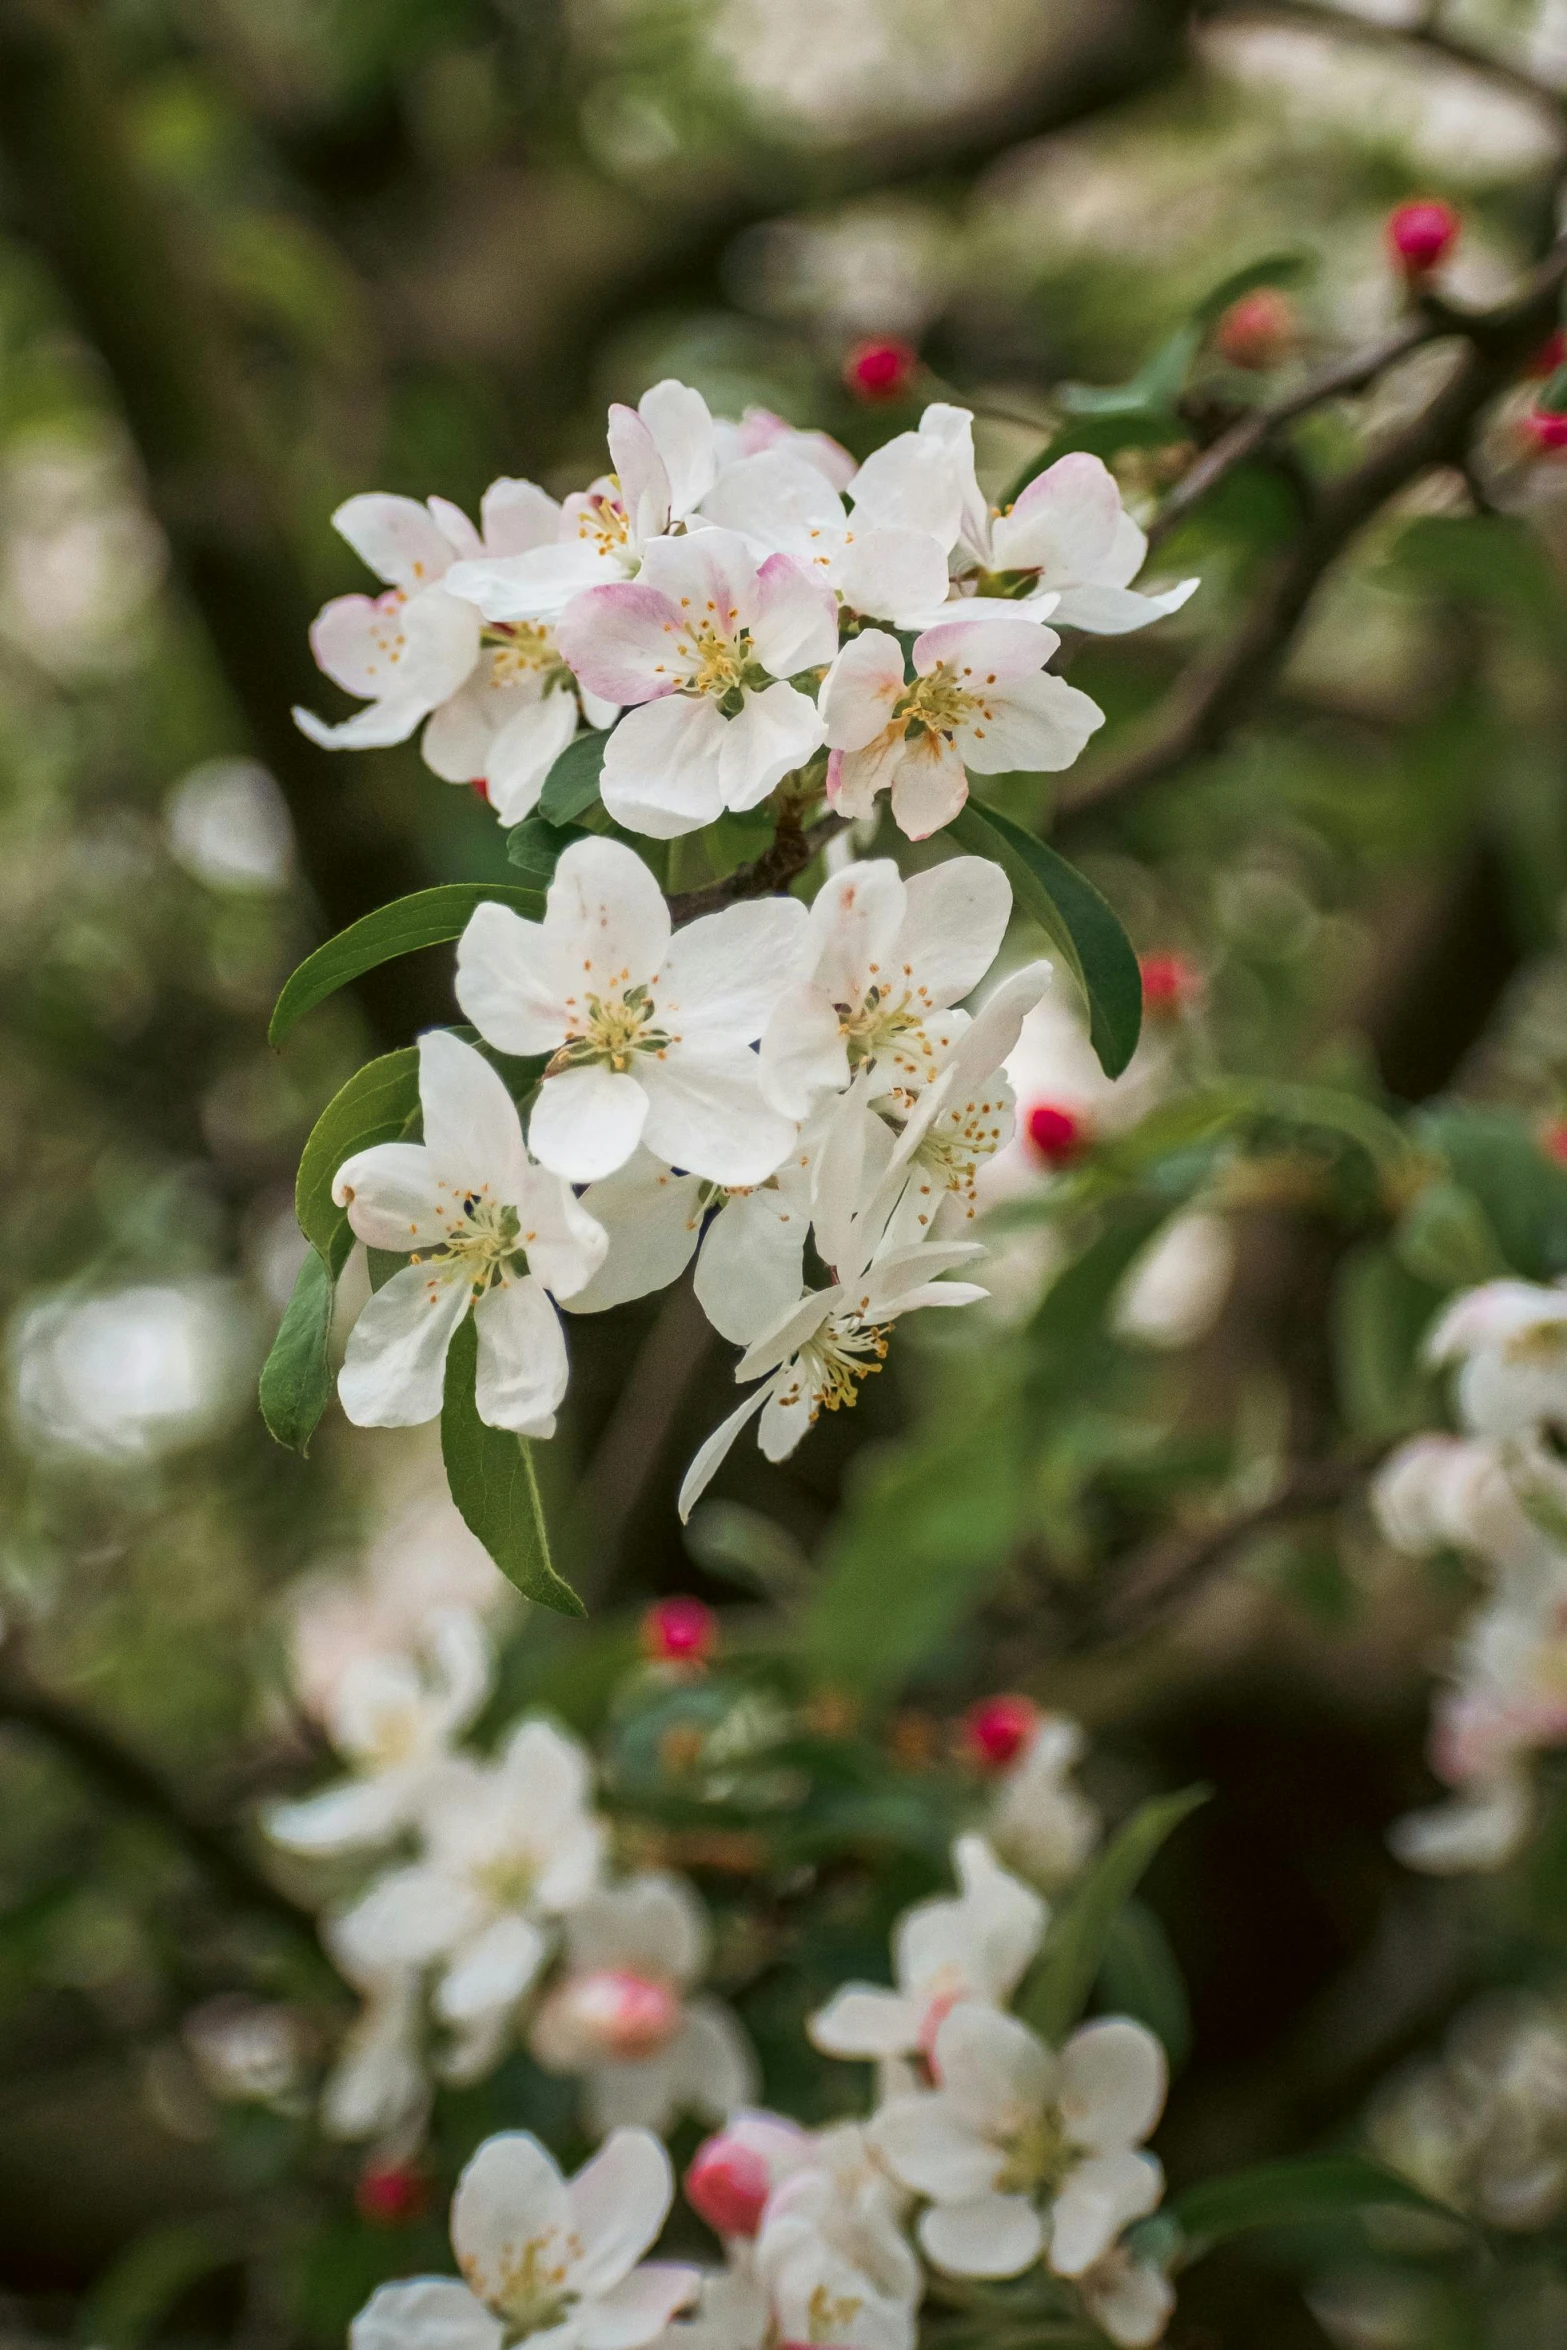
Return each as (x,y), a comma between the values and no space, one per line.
(506,1880)
(1035,2154)
(615,1029)
(532,2295)
(603,521)
(957,1139)
(1542,1343)
(833,1362)
(521,650)
(481,1232)
(829,2315)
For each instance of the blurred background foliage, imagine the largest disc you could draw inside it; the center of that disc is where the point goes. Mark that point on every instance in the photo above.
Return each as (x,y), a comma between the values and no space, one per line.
(252,259)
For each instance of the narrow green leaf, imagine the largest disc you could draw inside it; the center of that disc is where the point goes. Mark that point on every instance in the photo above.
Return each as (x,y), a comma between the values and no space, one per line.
(129,2304)
(1140,1976)
(1057,1988)
(572,784)
(1272,269)
(296,1379)
(1075,918)
(1272,2194)
(535,847)
(375,1105)
(427,919)
(1445,1237)
(491,1476)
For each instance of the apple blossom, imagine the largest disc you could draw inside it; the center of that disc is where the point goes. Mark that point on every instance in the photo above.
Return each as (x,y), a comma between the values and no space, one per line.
(980,700)
(650,1033)
(733,2173)
(781,504)
(1039,1821)
(1023,2153)
(621,2013)
(702,645)
(1130,2299)
(542,2256)
(1509,1339)
(378,2086)
(1483,2128)
(817,2289)
(760,429)
(489,1231)
(976,1947)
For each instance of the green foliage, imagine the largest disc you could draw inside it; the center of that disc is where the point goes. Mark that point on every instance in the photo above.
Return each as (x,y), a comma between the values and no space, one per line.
(131,2303)
(536,846)
(572,784)
(1076,920)
(1283,2194)
(296,1379)
(1057,1987)
(492,1480)
(1445,1237)
(378,1104)
(429,918)
(1140,1976)
(1522,1193)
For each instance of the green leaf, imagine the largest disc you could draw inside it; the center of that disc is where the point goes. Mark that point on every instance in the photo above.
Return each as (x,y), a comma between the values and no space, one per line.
(1273,2194)
(296,1379)
(376,1105)
(1077,921)
(1057,1988)
(1329,1110)
(427,919)
(1553,400)
(1273,269)
(572,784)
(536,847)
(1140,1976)
(1445,1237)
(128,2305)
(490,1472)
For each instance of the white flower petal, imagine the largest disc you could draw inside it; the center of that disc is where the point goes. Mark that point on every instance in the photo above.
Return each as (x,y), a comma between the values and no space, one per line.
(1116,611)
(682,430)
(710,1456)
(565,1242)
(609,915)
(426,2313)
(471,1129)
(641,472)
(723,973)
(523,752)
(512,980)
(909,483)
(395,1367)
(1113,2083)
(1130,2299)
(1096,2201)
(776,732)
(407,1918)
(639,2308)
(927,2143)
(510,2197)
(522,1368)
(441,645)
(653,1218)
(775,498)
(661,771)
(1063,524)
(997,2236)
(785,1423)
(1038,723)
(391,1195)
(587,1122)
(353,639)
(859,2020)
(345,1818)
(398,538)
(994,2072)
(516,515)
(653,1924)
(929,786)
(896,575)
(861,689)
(796,623)
(373,728)
(619,2202)
(493,1971)
(749,1272)
(706,1114)
(803,1052)
(460,735)
(537,585)
(956,918)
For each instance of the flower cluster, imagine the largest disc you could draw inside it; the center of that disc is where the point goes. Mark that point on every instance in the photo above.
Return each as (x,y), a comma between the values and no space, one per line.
(1498,1494)
(1483,2127)
(729,606)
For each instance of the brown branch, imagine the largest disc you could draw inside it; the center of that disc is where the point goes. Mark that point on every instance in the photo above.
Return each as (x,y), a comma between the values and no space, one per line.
(127,1780)
(792,849)
(1225,685)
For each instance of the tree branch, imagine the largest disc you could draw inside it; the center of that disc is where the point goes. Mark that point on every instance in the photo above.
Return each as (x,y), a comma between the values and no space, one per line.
(792,849)
(126,1780)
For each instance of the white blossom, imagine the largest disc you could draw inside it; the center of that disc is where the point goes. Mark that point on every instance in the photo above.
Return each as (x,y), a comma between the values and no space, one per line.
(1132,2300)
(1484,2127)
(488,1231)
(1023,2153)
(650,1033)
(976,1947)
(624,2016)
(379,2086)
(1038,1820)
(543,2257)
(781,503)
(1175,1288)
(1509,1339)
(702,644)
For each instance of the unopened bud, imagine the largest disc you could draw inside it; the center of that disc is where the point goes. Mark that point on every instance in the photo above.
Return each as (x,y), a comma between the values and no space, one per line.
(391,2194)
(606,2015)
(1259,330)
(480,789)
(1551,355)
(1421,234)
(881,369)
(680,1631)
(1170,984)
(728,2186)
(1545,432)
(998,1728)
(1056,1133)
(1552,1138)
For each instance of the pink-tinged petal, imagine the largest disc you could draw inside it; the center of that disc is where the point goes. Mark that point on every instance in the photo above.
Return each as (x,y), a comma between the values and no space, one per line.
(587,1122)
(929,786)
(522,1371)
(619,2202)
(706,1113)
(644,482)
(803,1052)
(471,1129)
(523,752)
(627,642)
(653,1218)
(608,915)
(1035,723)
(861,2021)
(723,974)
(1064,524)
(513,978)
(1096,2201)
(454,526)
(440,647)
(998,2236)
(399,539)
(516,516)
(983,653)
(861,690)
(774,496)
(956,919)
(682,430)
(855,777)
(354,639)
(910,483)
(896,575)
(637,2311)
(1116,611)
(661,767)
(456,743)
(392,1197)
(711,1456)
(776,732)
(710,574)
(510,2196)
(796,617)
(537,585)
(1113,2083)
(370,729)
(425,2313)
(395,1367)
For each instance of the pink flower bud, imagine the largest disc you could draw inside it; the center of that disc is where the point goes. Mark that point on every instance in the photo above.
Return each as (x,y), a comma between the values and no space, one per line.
(391,2194)
(882,368)
(998,1728)
(680,1631)
(1057,1133)
(1546,433)
(1421,234)
(1170,984)
(728,2186)
(1552,1138)
(1259,330)
(607,2015)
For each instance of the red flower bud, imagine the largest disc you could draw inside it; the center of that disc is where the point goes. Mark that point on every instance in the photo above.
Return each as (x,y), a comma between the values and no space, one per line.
(998,1728)
(679,1631)
(1551,355)
(1259,330)
(1057,1133)
(882,368)
(1421,234)
(1545,433)
(1170,984)
(1552,1139)
(392,2194)
(728,2186)
(479,788)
